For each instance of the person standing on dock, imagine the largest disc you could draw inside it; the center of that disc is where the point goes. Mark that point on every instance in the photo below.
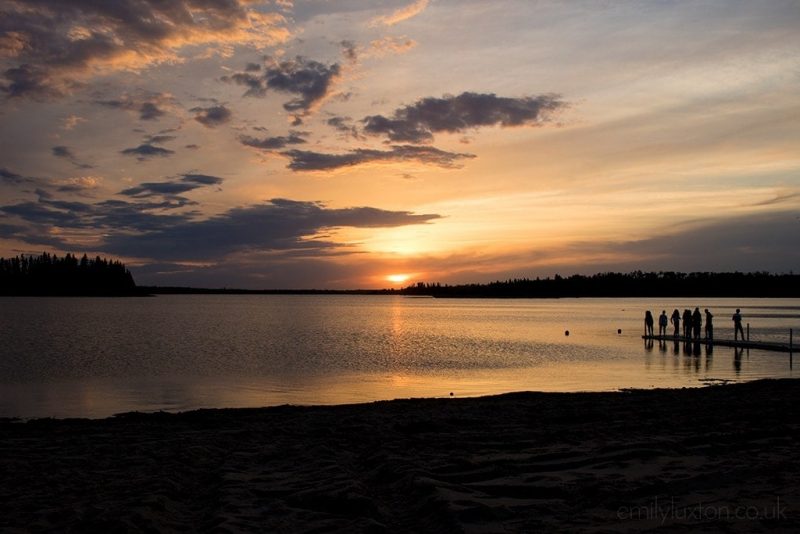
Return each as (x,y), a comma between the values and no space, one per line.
(662,323)
(697,323)
(737,325)
(709,326)
(676,321)
(648,323)
(687,323)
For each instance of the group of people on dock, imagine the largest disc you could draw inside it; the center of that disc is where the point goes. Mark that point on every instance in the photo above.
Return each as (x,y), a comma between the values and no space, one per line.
(692,323)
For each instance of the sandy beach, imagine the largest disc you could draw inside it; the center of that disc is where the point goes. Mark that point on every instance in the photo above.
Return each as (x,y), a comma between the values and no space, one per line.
(721,458)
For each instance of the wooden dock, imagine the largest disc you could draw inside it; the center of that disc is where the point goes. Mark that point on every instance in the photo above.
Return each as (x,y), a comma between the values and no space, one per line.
(739,344)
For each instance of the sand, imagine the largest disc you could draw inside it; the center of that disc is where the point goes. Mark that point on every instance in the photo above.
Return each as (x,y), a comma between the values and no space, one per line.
(721,458)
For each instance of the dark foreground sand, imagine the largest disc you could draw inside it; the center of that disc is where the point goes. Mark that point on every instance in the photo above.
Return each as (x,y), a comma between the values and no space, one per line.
(723,458)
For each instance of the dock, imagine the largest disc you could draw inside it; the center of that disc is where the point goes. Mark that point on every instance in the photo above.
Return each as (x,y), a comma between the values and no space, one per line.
(737,343)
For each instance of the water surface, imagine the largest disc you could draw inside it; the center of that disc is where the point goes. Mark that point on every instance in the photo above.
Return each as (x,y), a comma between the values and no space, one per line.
(93,357)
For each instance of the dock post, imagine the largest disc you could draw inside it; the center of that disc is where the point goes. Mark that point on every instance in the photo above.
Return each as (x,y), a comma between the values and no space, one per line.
(791,355)
(748,332)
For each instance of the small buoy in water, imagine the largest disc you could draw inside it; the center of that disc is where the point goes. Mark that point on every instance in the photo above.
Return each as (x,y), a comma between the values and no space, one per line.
(451,393)
(619,330)
(566,332)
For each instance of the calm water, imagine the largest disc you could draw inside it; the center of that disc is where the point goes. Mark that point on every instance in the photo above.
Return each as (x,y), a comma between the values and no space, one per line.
(95,357)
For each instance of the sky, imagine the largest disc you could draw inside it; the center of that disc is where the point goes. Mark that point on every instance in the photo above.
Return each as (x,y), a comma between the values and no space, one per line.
(354,144)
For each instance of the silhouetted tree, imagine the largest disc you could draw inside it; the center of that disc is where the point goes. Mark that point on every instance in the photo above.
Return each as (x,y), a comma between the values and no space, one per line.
(50,275)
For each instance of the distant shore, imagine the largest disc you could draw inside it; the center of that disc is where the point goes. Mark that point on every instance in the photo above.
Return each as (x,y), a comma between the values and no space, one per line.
(700,459)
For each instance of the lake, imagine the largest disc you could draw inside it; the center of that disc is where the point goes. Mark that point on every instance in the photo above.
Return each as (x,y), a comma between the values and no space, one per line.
(94,357)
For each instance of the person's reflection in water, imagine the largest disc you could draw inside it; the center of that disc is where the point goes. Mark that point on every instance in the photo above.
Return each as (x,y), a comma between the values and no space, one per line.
(648,344)
(737,360)
(709,356)
(697,350)
(662,346)
(676,348)
(687,348)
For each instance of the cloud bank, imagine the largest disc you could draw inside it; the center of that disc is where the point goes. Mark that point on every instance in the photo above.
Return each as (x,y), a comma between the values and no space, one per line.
(48,46)
(418,122)
(303,160)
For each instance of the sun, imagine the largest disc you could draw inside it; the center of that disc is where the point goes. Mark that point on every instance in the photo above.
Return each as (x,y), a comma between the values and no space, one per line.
(398,278)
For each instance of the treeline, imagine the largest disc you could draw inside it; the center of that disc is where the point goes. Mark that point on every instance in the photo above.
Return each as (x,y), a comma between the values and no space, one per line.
(634,284)
(49,274)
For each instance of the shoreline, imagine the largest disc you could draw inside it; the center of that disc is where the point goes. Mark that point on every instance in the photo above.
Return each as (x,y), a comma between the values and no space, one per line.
(515,462)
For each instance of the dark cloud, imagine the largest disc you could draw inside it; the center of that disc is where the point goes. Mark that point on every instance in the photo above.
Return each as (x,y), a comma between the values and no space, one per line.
(66,153)
(171,189)
(350,50)
(48,45)
(147,104)
(279,225)
(148,111)
(272,143)
(159,139)
(418,122)
(143,229)
(12,178)
(145,151)
(344,126)
(252,67)
(62,151)
(303,160)
(28,81)
(202,179)
(149,189)
(310,80)
(213,116)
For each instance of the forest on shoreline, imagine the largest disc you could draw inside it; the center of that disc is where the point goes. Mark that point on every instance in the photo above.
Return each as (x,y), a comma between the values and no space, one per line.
(50,275)
(634,284)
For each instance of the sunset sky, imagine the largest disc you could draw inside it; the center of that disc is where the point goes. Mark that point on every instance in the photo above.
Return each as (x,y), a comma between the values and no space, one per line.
(355,144)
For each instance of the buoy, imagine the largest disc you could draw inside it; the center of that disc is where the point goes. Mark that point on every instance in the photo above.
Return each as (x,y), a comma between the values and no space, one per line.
(619,330)
(451,393)
(566,333)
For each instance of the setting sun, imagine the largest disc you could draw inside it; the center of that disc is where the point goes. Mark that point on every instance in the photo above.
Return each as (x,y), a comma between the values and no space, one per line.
(398,278)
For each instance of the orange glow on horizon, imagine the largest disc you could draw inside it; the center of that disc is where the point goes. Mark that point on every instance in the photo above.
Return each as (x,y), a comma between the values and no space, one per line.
(398,278)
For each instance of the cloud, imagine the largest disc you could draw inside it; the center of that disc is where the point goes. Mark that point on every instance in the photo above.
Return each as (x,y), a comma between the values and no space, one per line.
(11,178)
(145,151)
(310,80)
(62,152)
(71,121)
(302,160)
(344,127)
(399,15)
(66,153)
(279,225)
(213,116)
(272,143)
(202,179)
(418,122)
(49,46)
(81,184)
(143,229)
(349,49)
(391,45)
(171,189)
(147,104)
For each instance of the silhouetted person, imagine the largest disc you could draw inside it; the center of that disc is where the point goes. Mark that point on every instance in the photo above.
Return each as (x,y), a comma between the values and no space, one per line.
(687,323)
(648,323)
(697,323)
(709,325)
(737,325)
(676,321)
(662,323)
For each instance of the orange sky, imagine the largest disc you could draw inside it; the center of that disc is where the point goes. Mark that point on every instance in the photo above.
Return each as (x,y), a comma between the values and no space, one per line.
(333,144)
